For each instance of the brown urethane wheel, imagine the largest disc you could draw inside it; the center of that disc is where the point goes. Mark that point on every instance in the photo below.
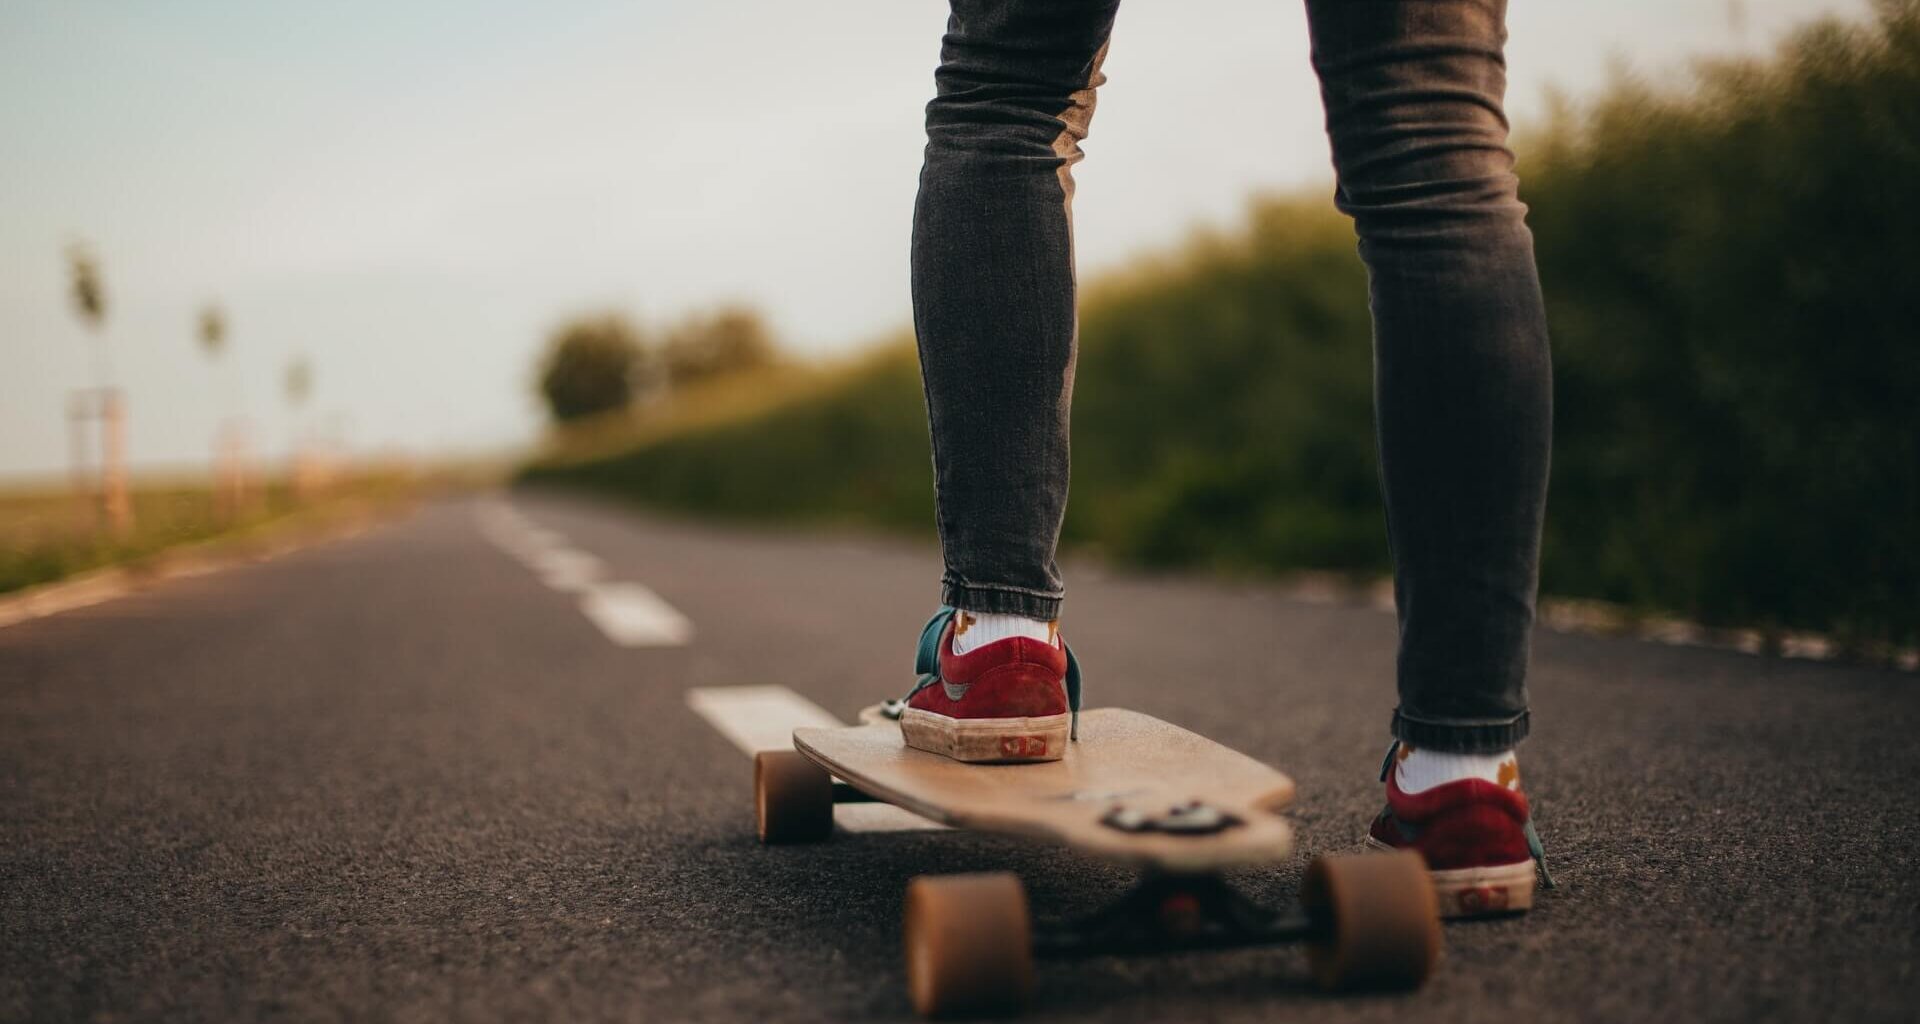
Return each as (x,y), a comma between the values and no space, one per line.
(1379,921)
(969,945)
(792,798)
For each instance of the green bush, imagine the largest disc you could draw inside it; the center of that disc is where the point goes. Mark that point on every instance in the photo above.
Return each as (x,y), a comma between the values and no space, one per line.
(1222,408)
(589,367)
(704,346)
(857,454)
(1730,281)
(1729,276)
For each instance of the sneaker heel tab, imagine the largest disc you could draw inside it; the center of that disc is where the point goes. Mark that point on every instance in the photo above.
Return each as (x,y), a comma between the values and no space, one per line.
(926,657)
(1073,692)
(1539,854)
(1386,765)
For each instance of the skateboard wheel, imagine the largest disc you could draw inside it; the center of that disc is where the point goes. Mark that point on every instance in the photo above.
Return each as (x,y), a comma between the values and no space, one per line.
(969,945)
(792,798)
(1378,921)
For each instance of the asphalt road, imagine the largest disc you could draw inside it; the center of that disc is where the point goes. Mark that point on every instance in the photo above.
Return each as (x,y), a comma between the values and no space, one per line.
(399,777)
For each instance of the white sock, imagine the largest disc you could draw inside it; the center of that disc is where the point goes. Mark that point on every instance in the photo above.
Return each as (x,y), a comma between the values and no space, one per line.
(972,630)
(1424,769)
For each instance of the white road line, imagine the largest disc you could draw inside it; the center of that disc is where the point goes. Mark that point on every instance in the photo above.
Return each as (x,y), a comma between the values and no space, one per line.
(633,616)
(628,613)
(567,570)
(520,537)
(527,550)
(753,718)
(756,718)
(538,538)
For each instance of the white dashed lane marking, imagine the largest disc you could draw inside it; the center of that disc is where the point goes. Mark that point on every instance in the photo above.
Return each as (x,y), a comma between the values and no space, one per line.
(633,616)
(567,570)
(753,718)
(756,718)
(628,613)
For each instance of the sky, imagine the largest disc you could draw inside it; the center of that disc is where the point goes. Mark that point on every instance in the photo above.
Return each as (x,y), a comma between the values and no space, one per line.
(411,195)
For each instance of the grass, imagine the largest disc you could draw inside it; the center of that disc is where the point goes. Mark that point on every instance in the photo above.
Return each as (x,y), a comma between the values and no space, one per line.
(47,534)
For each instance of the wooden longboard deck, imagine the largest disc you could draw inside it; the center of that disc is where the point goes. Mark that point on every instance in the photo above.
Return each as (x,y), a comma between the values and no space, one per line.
(1124,760)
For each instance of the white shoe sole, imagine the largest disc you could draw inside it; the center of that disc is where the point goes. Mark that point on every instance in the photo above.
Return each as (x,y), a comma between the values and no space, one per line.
(987,740)
(1480,892)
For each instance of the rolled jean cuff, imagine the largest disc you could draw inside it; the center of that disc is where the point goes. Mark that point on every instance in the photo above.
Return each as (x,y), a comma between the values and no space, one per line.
(1471,736)
(1000,600)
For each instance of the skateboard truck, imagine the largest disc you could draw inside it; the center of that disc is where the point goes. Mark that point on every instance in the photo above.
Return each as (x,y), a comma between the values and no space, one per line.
(1168,912)
(1368,923)
(1193,818)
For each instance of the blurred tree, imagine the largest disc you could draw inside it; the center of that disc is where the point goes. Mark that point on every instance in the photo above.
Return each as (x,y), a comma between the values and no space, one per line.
(213,331)
(299,381)
(89,296)
(708,345)
(591,366)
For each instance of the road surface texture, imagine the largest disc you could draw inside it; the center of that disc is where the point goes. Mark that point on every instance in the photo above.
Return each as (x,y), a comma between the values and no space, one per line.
(400,777)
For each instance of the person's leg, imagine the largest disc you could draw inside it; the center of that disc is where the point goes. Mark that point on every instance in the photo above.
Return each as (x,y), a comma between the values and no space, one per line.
(993,289)
(1413,92)
(993,309)
(1463,398)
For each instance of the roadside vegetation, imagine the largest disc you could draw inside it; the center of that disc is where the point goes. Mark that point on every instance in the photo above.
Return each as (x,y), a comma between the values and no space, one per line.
(99,517)
(47,533)
(1728,264)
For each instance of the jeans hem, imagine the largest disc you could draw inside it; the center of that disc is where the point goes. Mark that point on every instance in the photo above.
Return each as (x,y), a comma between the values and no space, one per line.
(1469,737)
(1000,601)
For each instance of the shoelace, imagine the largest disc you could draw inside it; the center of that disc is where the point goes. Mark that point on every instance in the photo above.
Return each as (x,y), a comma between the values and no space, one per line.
(926,667)
(1538,851)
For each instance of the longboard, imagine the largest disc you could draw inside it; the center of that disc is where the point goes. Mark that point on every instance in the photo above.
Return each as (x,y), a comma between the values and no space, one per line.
(1133,789)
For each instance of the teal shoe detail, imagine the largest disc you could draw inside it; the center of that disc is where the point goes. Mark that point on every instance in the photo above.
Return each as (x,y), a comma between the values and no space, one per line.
(926,669)
(1534,846)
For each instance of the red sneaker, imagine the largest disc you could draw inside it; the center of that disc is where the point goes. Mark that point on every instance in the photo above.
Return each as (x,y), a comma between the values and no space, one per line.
(1008,701)
(1477,837)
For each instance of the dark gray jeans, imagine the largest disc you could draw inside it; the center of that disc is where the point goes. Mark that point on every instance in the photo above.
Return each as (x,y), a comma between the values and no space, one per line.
(1413,92)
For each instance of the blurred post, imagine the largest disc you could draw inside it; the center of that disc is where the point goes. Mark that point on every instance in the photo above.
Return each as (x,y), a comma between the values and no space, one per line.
(224,508)
(102,497)
(314,470)
(230,471)
(246,496)
(86,508)
(113,462)
(306,473)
